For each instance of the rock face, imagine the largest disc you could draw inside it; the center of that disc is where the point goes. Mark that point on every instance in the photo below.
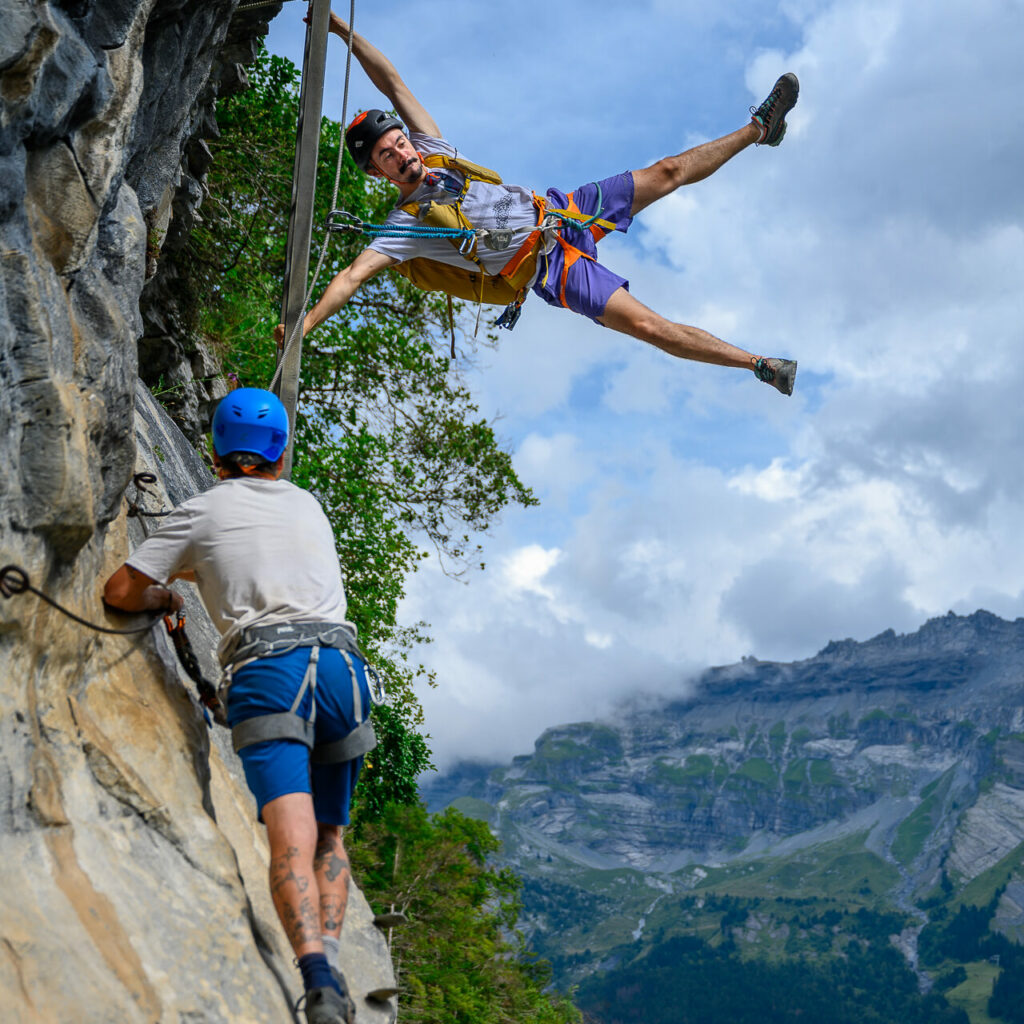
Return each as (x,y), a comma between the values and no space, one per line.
(134,875)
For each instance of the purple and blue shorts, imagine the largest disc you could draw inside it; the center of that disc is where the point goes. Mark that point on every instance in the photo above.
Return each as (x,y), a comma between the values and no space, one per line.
(587,284)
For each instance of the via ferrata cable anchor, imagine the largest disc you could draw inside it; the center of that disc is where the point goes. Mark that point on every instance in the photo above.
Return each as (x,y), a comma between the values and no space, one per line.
(141,490)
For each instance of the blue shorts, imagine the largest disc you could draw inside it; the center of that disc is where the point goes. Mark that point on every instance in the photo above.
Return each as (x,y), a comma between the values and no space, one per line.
(587,284)
(277,767)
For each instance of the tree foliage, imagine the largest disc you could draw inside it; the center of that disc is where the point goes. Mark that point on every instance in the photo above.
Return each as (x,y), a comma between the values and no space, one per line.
(387,435)
(459,962)
(687,981)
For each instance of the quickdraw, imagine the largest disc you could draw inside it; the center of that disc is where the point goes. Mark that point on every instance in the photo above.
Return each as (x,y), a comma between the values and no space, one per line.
(206,691)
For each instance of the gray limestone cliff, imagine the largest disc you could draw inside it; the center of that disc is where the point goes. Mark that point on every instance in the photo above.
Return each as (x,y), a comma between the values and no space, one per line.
(133,871)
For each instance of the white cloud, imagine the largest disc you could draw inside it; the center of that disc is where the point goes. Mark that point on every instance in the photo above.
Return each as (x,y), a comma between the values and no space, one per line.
(689,514)
(525,569)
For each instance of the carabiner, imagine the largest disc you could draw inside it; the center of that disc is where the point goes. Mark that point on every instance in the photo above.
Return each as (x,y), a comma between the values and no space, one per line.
(349,221)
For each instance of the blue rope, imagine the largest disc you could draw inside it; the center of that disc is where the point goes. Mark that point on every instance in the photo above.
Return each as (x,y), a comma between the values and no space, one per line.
(341,220)
(414,231)
(582,225)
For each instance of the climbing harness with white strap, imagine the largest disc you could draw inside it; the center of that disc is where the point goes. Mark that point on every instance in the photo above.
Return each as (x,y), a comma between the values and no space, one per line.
(269,641)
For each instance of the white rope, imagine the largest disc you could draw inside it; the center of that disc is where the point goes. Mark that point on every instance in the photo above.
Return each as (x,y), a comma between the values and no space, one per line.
(334,203)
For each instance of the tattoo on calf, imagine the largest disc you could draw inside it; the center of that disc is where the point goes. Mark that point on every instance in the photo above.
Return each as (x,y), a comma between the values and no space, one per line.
(282,873)
(332,912)
(331,859)
(301,923)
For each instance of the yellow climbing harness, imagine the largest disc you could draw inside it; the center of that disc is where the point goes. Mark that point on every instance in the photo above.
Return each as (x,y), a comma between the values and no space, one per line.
(509,285)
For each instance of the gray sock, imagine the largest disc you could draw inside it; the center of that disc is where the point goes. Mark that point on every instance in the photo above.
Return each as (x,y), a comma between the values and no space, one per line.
(332,949)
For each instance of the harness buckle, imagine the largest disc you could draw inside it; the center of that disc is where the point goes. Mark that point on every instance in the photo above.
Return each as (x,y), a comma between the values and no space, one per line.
(496,238)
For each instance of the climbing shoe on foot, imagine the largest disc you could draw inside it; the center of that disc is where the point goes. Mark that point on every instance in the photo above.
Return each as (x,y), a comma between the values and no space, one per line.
(771,115)
(327,1006)
(780,373)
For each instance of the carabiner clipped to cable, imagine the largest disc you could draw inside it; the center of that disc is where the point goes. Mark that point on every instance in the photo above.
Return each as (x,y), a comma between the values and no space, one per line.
(342,220)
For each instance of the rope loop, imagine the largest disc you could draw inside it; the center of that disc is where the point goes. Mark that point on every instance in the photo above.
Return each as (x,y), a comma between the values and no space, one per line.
(135,508)
(13,580)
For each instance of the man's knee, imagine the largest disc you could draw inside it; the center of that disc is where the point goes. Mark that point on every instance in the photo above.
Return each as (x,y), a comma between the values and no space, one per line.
(624,313)
(328,835)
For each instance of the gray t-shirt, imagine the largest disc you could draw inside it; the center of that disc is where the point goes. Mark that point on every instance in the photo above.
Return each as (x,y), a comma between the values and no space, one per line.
(484,206)
(262,551)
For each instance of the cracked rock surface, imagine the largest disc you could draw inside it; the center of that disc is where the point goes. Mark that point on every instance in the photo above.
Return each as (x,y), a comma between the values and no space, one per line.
(132,868)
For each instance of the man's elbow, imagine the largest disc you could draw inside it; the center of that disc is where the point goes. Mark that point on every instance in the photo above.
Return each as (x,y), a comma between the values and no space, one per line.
(122,590)
(113,590)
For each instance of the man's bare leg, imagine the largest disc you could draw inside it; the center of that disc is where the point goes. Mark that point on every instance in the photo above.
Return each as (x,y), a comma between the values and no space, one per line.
(332,875)
(292,834)
(630,316)
(767,126)
(658,180)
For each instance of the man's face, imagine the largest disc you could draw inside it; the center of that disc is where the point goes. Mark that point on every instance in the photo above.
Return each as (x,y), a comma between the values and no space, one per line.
(394,156)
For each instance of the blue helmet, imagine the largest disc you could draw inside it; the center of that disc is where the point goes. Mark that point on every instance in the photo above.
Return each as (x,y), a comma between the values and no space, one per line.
(251,420)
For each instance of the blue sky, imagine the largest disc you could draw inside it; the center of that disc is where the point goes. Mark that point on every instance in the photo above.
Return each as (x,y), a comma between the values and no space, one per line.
(690,515)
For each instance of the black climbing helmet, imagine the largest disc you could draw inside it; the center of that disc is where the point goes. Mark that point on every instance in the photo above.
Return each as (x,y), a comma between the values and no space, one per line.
(363,133)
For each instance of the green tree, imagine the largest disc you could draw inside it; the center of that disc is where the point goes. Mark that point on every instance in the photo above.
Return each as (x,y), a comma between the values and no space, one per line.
(459,961)
(387,435)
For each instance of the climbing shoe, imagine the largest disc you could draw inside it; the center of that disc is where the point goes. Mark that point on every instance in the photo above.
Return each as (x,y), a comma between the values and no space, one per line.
(780,373)
(771,115)
(327,1006)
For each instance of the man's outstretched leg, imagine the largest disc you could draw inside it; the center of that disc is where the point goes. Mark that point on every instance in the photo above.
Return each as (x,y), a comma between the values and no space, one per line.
(767,126)
(628,315)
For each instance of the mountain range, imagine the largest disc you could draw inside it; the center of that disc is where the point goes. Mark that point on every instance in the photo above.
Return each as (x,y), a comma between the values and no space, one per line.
(882,778)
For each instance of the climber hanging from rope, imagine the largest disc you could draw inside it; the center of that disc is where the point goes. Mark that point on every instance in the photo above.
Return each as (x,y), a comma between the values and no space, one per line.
(505,240)
(263,555)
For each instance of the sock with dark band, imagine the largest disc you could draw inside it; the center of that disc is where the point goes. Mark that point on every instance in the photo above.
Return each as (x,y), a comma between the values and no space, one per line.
(316,972)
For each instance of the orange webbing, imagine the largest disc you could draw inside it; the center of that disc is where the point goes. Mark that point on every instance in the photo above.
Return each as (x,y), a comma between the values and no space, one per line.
(570,253)
(528,245)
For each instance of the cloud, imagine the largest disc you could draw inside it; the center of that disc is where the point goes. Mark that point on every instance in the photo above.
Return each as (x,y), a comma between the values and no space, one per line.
(689,514)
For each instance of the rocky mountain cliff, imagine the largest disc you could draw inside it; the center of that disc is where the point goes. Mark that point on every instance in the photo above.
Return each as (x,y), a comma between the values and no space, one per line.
(878,772)
(133,872)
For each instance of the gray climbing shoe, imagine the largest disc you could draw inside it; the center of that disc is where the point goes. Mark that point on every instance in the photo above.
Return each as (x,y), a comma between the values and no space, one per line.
(780,373)
(771,115)
(326,1006)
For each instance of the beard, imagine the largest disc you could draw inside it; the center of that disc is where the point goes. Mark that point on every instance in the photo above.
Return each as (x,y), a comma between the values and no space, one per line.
(413,167)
